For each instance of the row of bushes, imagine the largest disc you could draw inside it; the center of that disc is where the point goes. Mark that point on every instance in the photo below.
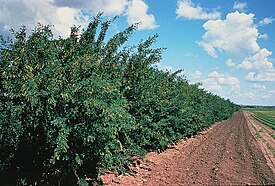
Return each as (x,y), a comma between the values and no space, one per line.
(72,108)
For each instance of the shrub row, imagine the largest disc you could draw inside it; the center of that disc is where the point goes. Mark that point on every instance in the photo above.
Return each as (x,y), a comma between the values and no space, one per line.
(72,108)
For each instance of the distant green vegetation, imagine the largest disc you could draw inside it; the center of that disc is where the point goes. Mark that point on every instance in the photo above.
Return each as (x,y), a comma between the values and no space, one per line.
(72,108)
(262,108)
(265,116)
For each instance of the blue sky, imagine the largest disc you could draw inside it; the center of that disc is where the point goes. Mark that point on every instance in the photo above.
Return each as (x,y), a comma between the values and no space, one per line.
(227,45)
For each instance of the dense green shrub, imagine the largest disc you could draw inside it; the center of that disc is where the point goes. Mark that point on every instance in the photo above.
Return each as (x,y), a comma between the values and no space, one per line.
(71,108)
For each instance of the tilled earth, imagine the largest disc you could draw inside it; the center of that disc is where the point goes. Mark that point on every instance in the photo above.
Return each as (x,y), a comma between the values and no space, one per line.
(227,153)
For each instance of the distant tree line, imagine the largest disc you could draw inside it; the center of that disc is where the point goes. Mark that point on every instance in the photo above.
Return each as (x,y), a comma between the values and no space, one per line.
(257,107)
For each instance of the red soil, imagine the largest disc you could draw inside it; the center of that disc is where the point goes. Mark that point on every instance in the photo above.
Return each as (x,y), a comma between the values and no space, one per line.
(225,154)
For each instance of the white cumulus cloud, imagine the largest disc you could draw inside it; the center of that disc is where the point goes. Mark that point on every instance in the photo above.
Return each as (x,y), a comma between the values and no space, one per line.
(219,82)
(196,75)
(228,81)
(137,13)
(15,13)
(209,48)
(246,64)
(211,84)
(186,9)
(215,74)
(261,76)
(259,87)
(63,14)
(266,21)
(262,69)
(236,35)
(108,7)
(214,87)
(240,6)
(258,61)
(263,36)
(230,63)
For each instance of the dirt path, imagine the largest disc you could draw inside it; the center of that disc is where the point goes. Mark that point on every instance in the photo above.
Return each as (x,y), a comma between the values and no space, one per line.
(225,154)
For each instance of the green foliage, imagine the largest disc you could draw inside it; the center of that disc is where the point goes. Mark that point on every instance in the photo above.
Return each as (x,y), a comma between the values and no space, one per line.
(266,117)
(78,106)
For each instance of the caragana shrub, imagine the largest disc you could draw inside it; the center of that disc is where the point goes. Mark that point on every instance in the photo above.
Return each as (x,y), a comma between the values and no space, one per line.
(72,108)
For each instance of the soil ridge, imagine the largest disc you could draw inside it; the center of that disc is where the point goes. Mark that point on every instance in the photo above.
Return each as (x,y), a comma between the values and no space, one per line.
(227,153)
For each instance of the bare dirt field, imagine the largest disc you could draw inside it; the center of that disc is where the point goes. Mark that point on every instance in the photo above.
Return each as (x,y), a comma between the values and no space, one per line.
(227,153)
